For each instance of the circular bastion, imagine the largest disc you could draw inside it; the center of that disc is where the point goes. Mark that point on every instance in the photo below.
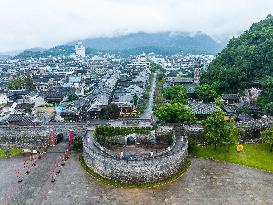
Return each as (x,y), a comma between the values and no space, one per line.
(140,167)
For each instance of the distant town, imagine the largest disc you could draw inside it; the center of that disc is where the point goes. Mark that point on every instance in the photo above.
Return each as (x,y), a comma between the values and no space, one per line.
(77,88)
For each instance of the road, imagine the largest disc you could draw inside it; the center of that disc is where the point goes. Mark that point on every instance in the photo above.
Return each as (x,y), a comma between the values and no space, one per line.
(148,112)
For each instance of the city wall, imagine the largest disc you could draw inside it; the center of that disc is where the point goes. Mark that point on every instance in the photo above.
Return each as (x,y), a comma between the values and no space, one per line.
(141,167)
(35,136)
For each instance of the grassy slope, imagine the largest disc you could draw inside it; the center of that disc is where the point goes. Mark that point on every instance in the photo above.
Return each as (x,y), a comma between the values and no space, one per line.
(13,152)
(254,155)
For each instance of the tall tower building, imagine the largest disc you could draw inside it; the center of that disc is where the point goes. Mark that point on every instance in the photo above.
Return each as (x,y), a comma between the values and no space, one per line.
(80,49)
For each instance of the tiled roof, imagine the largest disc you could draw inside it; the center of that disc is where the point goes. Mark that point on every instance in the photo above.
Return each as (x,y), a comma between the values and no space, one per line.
(20,119)
(204,108)
(230,97)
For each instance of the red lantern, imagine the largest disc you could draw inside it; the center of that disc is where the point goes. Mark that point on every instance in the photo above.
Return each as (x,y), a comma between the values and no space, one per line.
(70,136)
(52,143)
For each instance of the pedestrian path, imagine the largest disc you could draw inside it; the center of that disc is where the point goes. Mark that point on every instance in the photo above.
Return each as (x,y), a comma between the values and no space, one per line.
(37,183)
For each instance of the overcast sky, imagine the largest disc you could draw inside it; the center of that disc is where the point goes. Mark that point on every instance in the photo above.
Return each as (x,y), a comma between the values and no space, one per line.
(45,23)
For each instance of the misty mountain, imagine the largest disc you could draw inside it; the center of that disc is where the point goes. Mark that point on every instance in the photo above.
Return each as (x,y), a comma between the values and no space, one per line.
(164,41)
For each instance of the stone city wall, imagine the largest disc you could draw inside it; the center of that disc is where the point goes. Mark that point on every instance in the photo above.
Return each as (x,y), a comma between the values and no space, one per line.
(34,136)
(249,131)
(135,171)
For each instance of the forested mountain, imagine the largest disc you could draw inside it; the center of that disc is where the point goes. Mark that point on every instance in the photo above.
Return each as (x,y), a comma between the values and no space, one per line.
(246,59)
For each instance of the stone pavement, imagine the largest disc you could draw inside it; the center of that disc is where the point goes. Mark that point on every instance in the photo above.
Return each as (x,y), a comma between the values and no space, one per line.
(34,185)
(207,182)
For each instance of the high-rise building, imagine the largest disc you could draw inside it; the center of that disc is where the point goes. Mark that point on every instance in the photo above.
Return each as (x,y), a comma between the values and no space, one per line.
(80,49)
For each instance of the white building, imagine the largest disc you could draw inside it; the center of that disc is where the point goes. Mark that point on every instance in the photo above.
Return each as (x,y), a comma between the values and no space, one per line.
(3,98)
(80,49)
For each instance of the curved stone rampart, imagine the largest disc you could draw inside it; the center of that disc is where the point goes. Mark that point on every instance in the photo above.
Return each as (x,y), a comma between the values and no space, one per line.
(140,169)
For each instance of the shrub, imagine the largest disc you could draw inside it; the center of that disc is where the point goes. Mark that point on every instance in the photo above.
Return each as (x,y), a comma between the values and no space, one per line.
(77,144)
(192,144)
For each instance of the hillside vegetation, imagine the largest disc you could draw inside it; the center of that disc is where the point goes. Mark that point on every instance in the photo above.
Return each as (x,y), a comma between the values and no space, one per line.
(246,59)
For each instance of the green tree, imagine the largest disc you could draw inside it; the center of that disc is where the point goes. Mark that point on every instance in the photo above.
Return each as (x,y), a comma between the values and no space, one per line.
(215,128)
(265,99)
(245,59)
(28,83)
(206,92)
(21,82)
(174,113)
(233,133)
(176,93)
(219,102)
(135,100)
(155,67)
(111,111)
(72,97)
(267,137)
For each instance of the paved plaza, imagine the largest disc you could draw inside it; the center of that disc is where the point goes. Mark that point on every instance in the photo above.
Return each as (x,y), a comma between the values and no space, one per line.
(207,182)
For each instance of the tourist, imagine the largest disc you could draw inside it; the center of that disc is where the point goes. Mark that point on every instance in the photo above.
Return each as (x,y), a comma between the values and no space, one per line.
(121,155)
(58,168)
(53,176)
(26,167)
(19,178)
(151,154)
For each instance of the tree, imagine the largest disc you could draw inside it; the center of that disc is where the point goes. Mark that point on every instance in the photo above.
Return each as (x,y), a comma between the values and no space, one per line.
(173,113)
(176,93)
(232,136)
(215,128)
(245,59)
(111,111)
(267,137)
(21,82)
(265,99)
(135,100)
(72,97)
(219,102)
(155,67)
(206,92)
(28,83)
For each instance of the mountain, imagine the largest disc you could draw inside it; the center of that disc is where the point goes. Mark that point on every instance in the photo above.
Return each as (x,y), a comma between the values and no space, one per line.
(245,60)
(163,41)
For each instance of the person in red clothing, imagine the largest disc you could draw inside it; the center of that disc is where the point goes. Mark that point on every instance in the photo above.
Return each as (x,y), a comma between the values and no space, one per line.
(53,176)
(58,168)
(19,178)
(26,167)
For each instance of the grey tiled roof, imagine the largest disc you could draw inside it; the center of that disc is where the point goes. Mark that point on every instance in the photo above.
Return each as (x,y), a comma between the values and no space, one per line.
(230,97)
(204,108)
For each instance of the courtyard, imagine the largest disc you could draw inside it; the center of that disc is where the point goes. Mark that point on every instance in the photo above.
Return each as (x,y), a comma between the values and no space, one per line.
(206,182)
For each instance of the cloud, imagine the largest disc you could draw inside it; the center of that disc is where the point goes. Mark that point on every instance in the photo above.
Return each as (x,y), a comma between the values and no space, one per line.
(44,23)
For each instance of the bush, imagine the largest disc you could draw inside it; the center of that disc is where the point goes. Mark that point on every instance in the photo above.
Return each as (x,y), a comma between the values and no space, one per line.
(77,144)
(102,133)
(192,144)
